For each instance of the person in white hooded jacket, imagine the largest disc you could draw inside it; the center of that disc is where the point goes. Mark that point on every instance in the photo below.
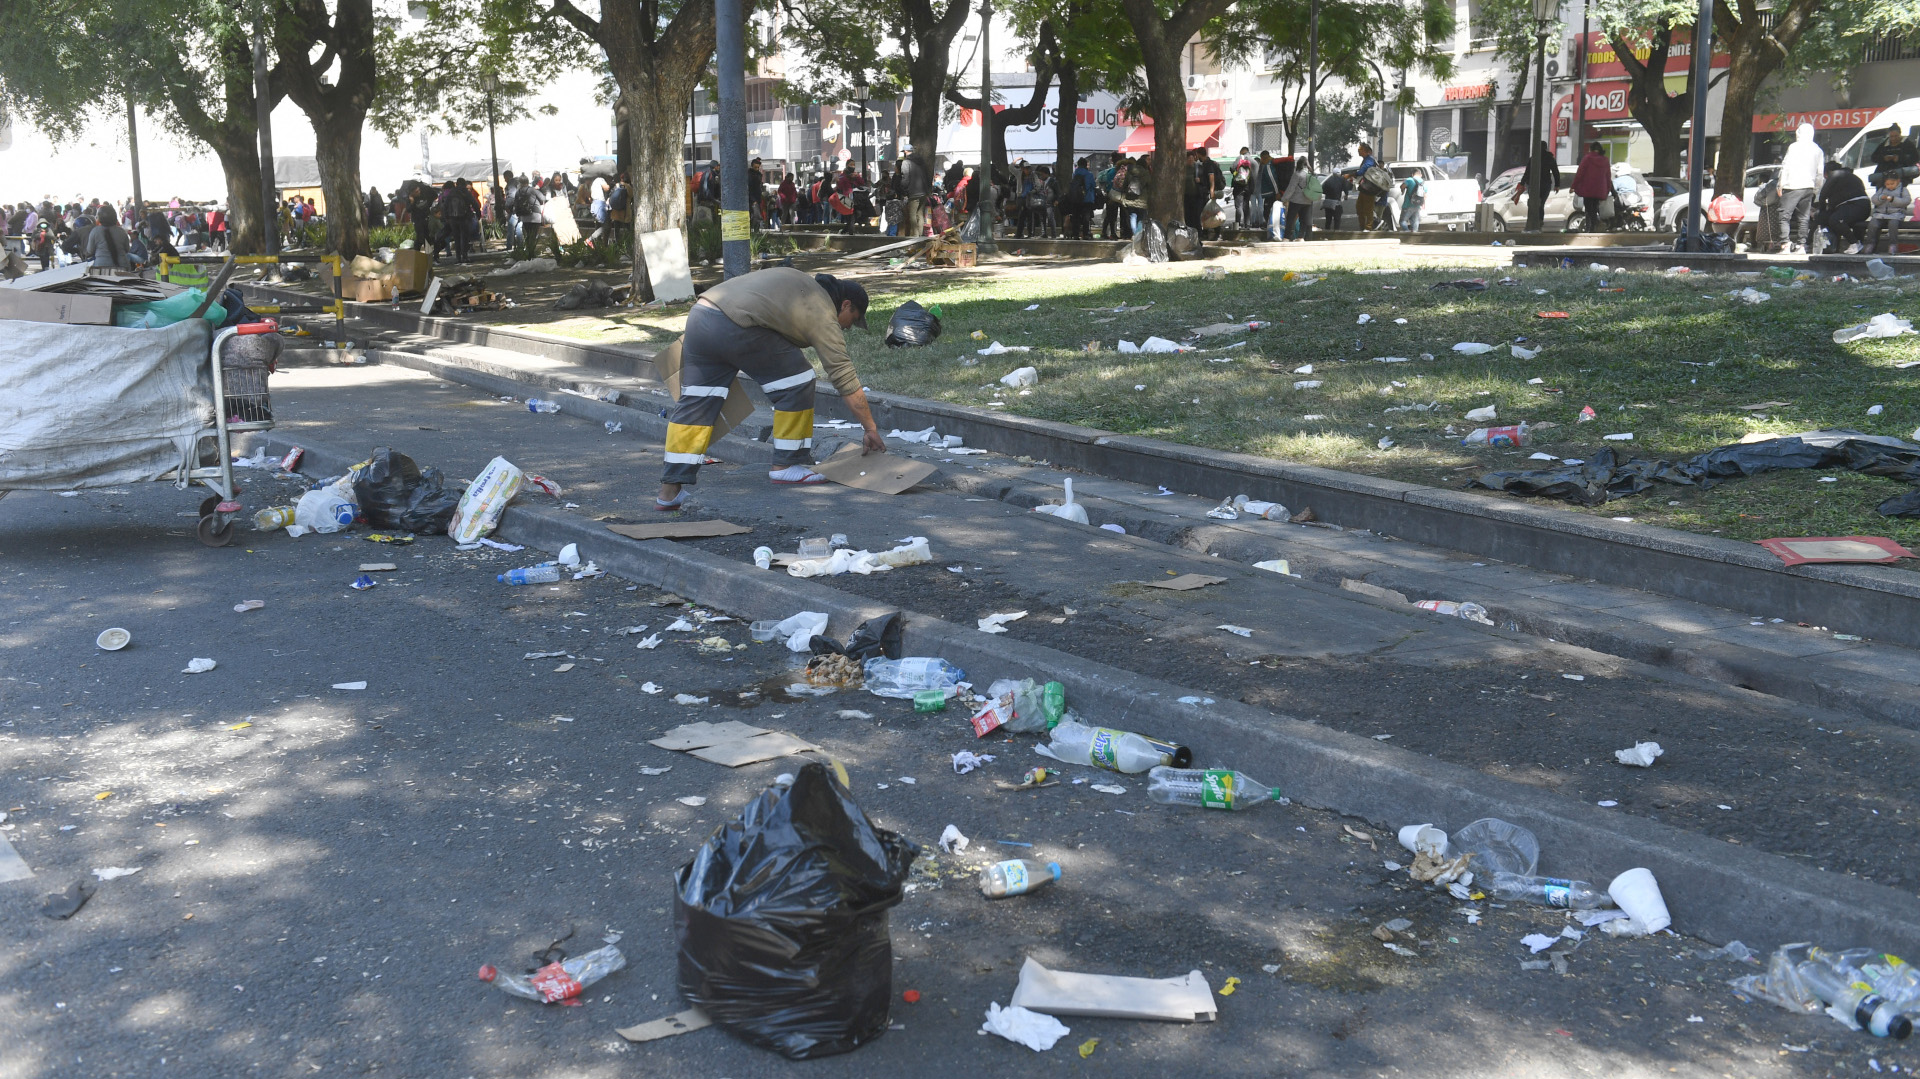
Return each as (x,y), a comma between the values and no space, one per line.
(1800,178)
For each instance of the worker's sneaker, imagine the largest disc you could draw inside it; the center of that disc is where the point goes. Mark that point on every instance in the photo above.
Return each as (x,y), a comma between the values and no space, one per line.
(796,474)
(667,507)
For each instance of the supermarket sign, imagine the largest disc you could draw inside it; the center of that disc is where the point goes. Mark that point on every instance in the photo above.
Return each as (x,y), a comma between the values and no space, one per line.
(1604,63)
(1825,120)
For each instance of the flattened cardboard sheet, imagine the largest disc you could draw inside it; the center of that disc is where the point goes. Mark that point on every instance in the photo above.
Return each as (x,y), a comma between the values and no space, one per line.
(881,472)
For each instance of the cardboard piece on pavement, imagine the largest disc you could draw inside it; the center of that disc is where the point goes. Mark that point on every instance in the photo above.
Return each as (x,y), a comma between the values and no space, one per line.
(679,530)
(432,296)
(680,1023)
(1059,992)
(753,750)
(59,275)
(1794,551)
(881,472)
(559,215)
(412,269)
(700,735)
(733,412)
(1187,582)
(65,307)
(666,253)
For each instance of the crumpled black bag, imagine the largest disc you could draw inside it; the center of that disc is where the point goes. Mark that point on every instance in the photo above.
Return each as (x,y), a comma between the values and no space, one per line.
(873,639)
(1183,241)
(395,493)
(1604,476)
(912,325)
(781,920)
(1150,242)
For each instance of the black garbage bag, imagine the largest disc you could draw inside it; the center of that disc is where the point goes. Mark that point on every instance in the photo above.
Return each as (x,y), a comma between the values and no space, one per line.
(873,639)
(781,920)
(395,493)
(1150,242)
(585,294)
(1605,477)
(912,325)
(1183,241)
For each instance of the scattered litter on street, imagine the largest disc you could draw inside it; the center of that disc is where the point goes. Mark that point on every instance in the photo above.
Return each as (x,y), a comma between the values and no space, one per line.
(1640,754)
(1237,631)
(63,905)
(1016,1024)
(249,605)
(678,1023)
(349,685)
(558,982)
(1186,999)
(997,623)
(199,666)
(966,761)
(952,841)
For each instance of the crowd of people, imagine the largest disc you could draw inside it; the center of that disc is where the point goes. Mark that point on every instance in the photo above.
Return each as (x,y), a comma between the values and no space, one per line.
(108,235)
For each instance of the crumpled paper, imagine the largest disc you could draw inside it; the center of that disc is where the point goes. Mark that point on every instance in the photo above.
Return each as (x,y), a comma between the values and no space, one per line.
(1640,754)
(1031,1029)
(966,761)
(952,841)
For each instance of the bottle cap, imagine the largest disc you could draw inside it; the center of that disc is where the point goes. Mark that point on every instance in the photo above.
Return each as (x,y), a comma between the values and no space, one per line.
(487,973)
(1054,868)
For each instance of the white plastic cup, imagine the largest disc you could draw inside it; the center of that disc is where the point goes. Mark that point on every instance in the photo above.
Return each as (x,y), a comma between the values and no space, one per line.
(113,639)
(763,557)
(1424,838)
(1637,893)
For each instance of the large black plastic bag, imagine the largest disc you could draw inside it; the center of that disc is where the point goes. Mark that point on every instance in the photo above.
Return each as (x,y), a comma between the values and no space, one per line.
(781,920)
(912,325)
(1183,241)
(395,493)
(1149,242)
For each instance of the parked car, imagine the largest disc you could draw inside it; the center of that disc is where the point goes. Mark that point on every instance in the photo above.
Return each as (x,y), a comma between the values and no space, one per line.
(1564,211)
(1450,202)
(1673,211)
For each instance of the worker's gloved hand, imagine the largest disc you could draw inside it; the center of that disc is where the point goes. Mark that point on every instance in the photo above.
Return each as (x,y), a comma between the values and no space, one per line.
(872,442)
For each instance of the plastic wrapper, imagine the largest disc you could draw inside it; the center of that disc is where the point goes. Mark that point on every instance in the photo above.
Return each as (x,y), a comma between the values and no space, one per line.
(912,325)
(1498,846)
(781,920)
(329,508)
(396,493)
(1605,476)
(485,500)
(876,638)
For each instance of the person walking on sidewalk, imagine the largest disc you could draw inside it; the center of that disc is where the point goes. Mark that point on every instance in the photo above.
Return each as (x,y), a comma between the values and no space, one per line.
(1592,183)
(755,325)
(1801,174)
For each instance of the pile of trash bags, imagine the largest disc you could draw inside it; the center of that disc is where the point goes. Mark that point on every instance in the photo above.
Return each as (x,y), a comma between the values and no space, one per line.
(912,325)
(1605,476)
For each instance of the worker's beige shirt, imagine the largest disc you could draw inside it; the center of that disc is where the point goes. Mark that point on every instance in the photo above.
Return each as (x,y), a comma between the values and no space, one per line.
(792,304)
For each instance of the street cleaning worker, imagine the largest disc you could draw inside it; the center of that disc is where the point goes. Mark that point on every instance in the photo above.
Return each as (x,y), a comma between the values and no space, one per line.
(755,325)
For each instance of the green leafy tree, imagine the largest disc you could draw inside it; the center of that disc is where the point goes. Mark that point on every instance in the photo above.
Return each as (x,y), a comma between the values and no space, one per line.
(1161,32)
(1633,25)
(189,63)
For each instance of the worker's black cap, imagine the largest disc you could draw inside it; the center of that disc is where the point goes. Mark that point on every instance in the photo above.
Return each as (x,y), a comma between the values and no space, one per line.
(843,291)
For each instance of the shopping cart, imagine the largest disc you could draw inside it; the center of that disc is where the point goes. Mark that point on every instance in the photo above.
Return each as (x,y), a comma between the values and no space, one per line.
(98,406)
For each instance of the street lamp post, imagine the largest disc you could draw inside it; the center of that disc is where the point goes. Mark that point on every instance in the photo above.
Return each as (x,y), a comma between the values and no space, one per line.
(493,153)
(730,47)
(1313,67)
(983,195)
(263,119)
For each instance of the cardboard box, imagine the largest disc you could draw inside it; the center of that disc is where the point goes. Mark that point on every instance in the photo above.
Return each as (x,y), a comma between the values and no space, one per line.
(74,309)
(370,289)
(412,270)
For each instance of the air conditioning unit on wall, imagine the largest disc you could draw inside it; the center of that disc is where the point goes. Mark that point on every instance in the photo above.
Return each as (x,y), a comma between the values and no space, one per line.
(1196,82)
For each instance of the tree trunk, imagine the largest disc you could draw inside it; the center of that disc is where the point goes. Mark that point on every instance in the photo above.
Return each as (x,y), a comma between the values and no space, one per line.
(1755,50)
(1663,115)
(656,133)
(241,164)
(337,153)
(1736,121)
(928,73)
(1161,41)
(1066,119)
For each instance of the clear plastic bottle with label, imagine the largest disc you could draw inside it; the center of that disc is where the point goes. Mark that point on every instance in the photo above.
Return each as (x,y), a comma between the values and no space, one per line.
(1209,788)
(1548,892)
(905,677)
(1017,876)
(1857,999)
(558,981)
(273,517)
(545,573)
(1102,747)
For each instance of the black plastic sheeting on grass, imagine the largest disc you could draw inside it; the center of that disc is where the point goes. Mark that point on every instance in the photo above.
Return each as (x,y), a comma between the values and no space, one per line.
(1605,476)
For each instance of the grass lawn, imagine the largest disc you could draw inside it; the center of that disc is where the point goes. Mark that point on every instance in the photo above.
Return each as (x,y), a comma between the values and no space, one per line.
(1671,360)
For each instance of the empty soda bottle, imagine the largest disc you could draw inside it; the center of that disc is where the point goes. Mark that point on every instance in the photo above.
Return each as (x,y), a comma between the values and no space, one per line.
(1869,1010)
(273,517)
(558,981)
(1017,876)
(1118,751)
(1548,892)
(903,678)
(1209,788)
(535,404)
(544,573)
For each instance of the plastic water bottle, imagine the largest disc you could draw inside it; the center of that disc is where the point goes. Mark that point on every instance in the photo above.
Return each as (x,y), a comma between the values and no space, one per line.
(535,404)
(558,981)
(1548,892)
(1208,788)
(1017,876)
(1053,701)
(1856,999)
(903,678)
(1102,747)
(544,573)
(273,517)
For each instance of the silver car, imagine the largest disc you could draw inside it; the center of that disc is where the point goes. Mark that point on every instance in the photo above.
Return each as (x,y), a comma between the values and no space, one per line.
(1564,210)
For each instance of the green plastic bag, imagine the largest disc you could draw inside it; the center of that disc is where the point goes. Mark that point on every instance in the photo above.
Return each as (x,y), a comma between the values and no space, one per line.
(175,308)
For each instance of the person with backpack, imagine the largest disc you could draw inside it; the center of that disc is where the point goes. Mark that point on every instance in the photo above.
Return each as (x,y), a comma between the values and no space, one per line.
(1369,192)
(457,211)
(1333,199)
(1303,190)
(1413,197)
(1079,202)
(1263,194)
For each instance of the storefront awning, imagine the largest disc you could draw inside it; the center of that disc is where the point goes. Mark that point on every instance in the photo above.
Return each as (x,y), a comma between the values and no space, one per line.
(1200,134)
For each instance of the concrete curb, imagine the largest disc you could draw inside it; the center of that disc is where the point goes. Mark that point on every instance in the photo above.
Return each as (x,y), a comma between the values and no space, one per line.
(1877,600)
(1716,891)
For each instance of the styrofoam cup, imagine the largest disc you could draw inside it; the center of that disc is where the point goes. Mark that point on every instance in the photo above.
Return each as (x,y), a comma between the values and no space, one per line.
(1637,893)
(1424,838)
(113,639)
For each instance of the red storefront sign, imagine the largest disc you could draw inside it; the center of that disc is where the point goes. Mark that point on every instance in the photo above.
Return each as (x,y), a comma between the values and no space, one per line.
(1826,120)
(1603,63)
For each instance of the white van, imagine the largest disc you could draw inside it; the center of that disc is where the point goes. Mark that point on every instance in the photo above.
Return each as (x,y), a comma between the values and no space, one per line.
(1854,154)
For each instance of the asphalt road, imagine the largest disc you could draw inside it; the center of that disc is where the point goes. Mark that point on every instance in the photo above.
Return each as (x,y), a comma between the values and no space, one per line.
(322,871)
